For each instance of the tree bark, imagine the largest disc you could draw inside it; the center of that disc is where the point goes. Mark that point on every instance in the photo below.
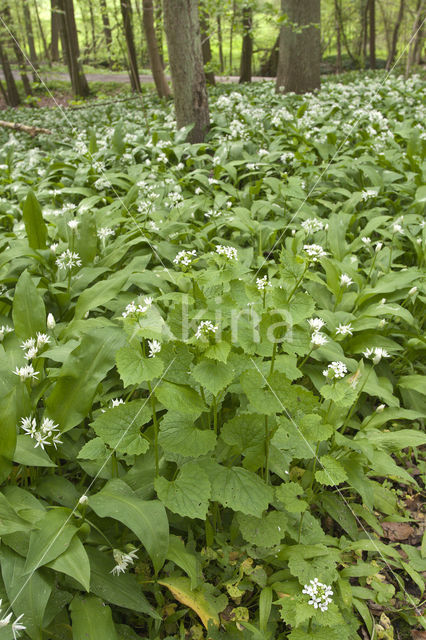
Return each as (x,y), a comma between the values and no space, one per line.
(205,43)
(270,65)
(186,65)
(106,23)
(12,95)
(417,25)
(54,30)
(43,37)
(231,34)
(30,34)
(338,38)
(160,80)
(126,12)
(92,26)
(343,33)
(398,22)
(158,22)
(300,53)
(372,15)
(71,48)
(247,46)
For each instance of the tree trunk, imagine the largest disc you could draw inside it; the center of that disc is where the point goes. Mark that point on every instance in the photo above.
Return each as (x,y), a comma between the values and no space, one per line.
(54,30)
(338,38)
(158,22)
(386,26)
(220,42)
(186,65)
(92,26)
(364,33)
(418,23)
(20,57)
(106,29)
(372,14)
(231,34)
(30,34)
(43,37)
(205,43)
(247,46)
(126,12)
(160,80)
(12,95)
(269,66)
(398,22)
(71,48)
(300,53)
(343,33)
(418,41)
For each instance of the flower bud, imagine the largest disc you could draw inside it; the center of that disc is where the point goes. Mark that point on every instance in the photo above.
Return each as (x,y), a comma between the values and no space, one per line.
(51,324)
(412,291)
(380,408)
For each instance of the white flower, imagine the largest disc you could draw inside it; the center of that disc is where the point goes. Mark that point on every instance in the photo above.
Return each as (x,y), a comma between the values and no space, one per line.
(123,561)
(368,193)
(312,224)
(229,252)
(115,402)
(262,283)
(366,240)
(68,259)
(185,258)
(412,291)
(397,228)
(319,593)
(46,434)
(318,339)
(376,354)
(380,408)
(379,245)
(198,191)
(104,232)
(344,330)
(205,328)
(132,309)
(42,339)
(314,251)
(30,343)
(31,353)
(316,324)
(51,323)
(26,372)
(334,370)
(4,330)
(17,626)
(53,247)
(154,347)
(84,499)
(345,280)
(73,224)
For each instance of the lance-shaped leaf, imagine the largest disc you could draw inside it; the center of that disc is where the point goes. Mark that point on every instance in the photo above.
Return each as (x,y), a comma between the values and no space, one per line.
(91,619)
(50,539)
(34,224)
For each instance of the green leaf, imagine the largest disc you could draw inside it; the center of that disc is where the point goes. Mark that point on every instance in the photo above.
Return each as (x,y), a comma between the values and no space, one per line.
(122,590)
(10,521)
(178,434)
(120,427)
(218,351)
(294,611)
(421,194)
(267,531)
(147,519)
(332,472)
(239,489)
(74,562)
(91,619)
(50,539)
(205,605)
(99,294)
(95,449)
(34,224)
(246,432)
(180,398)
(287,493)
(73,393)
(335,506)
(134,368)
(29,594)
(415,381)
(8,419)
(341,393)
(188,495)
(185,559)
(29,314)
(213,376)
(28,455)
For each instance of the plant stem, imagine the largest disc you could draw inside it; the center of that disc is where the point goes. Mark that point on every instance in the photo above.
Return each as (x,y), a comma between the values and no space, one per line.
(266,475)
(274,353)
(155,423)
(298,282)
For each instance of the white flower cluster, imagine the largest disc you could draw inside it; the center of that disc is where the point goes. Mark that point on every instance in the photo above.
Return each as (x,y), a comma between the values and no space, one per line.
(4,330)
(262,283)
(46,434)
(368,193)
(312,224)
(314,251)
(334,370)
(104,232)
(34,345)
(206,328)
(26,372)
(212,213)
(344,330)
(73,224)
(318,339)
(123,561)
(345,280)
(319,593)
(229,252)
(154,347)
(68,259)
(185,258)
(134,309)
(16,625)
(376,354)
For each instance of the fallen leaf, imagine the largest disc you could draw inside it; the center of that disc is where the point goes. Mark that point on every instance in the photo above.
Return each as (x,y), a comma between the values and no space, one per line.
(395,531)
(418,635)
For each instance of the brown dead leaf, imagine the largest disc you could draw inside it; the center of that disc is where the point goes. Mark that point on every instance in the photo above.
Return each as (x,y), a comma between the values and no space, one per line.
(396,531)
(418,635)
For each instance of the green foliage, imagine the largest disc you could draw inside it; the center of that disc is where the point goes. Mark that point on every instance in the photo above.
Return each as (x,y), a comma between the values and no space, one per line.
(183,448)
